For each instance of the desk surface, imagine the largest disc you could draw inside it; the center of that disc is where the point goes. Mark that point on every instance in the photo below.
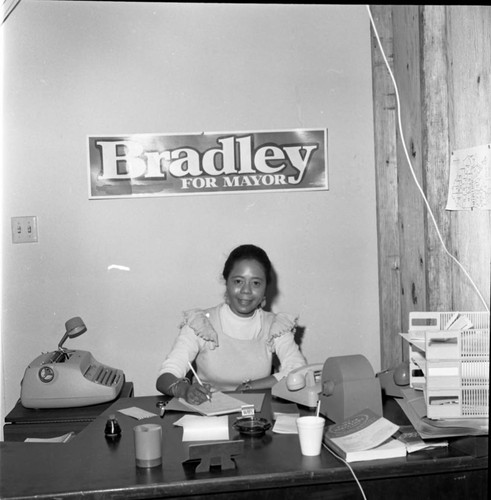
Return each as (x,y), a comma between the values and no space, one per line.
(22,423)
(21,415)
(270,467)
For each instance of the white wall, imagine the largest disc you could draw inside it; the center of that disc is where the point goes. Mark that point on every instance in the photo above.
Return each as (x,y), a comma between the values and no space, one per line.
(74,69)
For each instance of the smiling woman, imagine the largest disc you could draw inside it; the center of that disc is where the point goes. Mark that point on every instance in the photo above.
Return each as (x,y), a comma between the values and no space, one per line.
(247,273)
(232,344)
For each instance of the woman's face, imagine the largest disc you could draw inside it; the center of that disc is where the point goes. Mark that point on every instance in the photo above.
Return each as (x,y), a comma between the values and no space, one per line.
(246,287)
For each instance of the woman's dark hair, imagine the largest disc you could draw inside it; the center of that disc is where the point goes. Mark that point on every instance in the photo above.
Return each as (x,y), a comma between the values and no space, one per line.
(248,252)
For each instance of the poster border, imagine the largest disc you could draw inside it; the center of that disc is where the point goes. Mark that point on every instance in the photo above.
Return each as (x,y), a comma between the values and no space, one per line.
(325,187)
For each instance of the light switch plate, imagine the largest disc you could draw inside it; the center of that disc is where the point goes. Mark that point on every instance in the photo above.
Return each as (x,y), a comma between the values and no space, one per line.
(24,229)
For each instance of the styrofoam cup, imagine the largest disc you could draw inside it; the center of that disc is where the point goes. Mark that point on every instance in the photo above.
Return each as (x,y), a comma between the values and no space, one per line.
(310,433)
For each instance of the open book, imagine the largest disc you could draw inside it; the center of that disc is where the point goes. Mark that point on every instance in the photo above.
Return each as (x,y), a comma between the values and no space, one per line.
(364,436)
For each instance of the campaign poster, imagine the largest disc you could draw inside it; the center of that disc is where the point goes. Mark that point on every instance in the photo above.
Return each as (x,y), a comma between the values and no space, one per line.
(149,165)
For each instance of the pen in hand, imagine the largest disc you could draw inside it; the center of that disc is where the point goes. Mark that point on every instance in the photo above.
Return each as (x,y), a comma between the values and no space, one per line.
(198,379)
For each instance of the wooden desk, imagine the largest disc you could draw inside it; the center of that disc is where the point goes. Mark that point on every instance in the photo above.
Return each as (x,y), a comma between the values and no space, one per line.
(22,422)
(271,467)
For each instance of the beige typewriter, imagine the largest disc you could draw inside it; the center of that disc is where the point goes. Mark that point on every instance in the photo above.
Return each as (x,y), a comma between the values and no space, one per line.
(69,378)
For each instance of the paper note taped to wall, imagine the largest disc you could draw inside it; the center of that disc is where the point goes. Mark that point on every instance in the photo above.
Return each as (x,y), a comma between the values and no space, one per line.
(470,179)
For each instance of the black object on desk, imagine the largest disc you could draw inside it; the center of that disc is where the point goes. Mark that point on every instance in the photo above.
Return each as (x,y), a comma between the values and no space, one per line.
(22,423)
(218,453)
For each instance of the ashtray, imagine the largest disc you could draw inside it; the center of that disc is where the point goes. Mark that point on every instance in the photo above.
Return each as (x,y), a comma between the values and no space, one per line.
(251,426)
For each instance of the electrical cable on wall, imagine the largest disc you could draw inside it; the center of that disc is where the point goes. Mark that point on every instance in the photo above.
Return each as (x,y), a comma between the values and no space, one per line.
(403,141)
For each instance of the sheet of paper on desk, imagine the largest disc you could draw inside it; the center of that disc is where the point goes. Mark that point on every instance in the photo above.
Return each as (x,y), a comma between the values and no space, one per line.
(414,406)
(286,424)
(137,413)
(58,439)
(199,428)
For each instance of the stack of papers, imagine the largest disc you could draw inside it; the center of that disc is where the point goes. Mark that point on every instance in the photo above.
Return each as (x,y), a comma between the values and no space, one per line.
(221,404)
(198,428)
(286,424)
(285,416)
(414,406)
(409,436)
(137,413)
(58,439)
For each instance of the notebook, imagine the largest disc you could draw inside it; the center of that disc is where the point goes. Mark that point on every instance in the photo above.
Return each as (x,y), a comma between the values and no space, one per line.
(220,404)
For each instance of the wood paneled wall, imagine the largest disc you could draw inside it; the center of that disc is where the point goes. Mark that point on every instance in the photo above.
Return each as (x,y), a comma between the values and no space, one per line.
(440,56)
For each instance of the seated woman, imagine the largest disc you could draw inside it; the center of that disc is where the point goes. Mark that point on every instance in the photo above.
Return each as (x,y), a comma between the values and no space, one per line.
(232,344)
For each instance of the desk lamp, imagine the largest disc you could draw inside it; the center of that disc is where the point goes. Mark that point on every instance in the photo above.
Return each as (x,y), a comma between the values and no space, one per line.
(74,327)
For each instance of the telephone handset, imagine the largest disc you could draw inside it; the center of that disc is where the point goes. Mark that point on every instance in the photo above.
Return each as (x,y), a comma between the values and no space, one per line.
(302,385)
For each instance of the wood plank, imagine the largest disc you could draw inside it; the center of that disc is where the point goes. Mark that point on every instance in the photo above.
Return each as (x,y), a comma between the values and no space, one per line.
(469,53)
(386,190)
(436,156)
(412,220)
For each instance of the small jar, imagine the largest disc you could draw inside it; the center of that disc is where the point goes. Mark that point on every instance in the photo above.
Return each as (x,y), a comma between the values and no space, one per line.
(112,430)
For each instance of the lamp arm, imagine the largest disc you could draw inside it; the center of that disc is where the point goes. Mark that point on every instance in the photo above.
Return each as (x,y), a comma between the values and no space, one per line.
(62,341)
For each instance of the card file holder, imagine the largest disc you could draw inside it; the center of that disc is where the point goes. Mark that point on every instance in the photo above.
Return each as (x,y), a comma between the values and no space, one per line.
(449,361)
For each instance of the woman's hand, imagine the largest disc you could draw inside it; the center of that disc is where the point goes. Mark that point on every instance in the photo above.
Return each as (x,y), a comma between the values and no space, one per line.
(257,384)
(197,393)
(245,386)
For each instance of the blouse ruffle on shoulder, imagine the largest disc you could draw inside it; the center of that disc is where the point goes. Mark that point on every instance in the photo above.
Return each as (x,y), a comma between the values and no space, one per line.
(282,324)
(198,320)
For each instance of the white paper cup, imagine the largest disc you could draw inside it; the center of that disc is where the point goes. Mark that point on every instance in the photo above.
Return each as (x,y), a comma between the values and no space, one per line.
(310,433)
(148,445)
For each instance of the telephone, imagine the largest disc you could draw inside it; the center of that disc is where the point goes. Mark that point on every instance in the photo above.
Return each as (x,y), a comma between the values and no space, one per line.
(69,378)
(302,385)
